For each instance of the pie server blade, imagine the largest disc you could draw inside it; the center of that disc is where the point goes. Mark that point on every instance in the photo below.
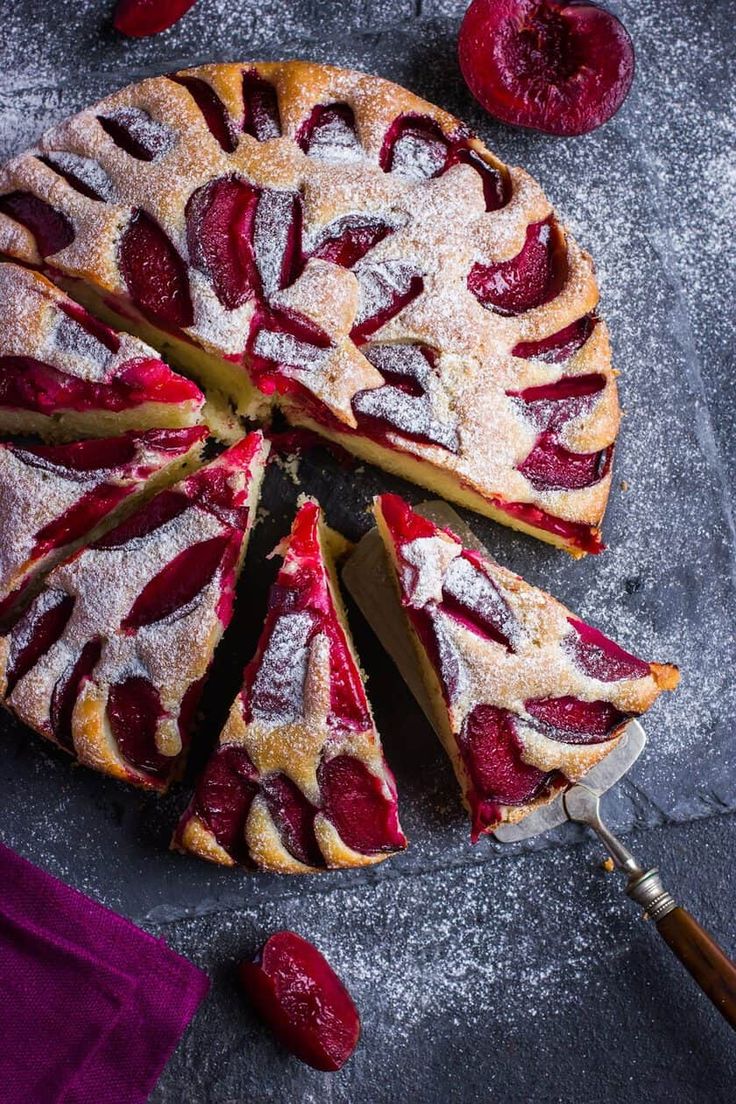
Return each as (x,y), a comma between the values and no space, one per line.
(597,780)
(367,577)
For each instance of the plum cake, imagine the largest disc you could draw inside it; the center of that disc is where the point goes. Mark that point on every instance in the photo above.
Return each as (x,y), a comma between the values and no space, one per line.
(524,695)
(108,660)
(324,241)
(299,782)
(54,497)
(64,374)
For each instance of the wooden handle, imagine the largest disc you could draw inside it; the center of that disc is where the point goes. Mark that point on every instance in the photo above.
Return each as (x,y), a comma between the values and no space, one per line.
(701,956)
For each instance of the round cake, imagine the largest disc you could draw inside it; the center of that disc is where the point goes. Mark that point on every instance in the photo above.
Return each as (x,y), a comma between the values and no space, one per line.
(320,241)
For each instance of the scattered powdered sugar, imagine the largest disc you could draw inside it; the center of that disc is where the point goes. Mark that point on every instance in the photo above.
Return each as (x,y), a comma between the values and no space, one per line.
(455,674)
(409,416)
(483,958)
(689,156)
(36,325)
(478,669)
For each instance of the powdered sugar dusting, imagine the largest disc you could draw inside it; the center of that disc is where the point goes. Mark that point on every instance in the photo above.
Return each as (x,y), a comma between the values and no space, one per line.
(417,157)
(144,137)
(380,284)
(285,349)
(277,695)
(334,140)
(427,559)
(86,170)
(473,589)
(273,225)
(77,351)
(425,415)
(477,669)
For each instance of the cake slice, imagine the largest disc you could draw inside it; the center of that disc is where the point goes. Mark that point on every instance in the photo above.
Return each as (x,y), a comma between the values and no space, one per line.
(53,497)
(109,659)
(63,374)
(525,697)
(298,782)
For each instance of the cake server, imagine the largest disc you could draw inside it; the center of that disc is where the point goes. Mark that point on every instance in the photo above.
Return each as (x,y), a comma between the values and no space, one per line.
(367,577)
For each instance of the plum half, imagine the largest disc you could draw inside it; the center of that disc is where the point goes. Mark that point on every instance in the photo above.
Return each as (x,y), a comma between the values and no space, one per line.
(301,998)
(562,68)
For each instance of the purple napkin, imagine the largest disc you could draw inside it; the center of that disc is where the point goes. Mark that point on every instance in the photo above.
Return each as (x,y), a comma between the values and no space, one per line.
(91,1007)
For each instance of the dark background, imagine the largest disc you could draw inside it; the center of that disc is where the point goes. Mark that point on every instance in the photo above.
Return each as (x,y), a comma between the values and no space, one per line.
(480,975)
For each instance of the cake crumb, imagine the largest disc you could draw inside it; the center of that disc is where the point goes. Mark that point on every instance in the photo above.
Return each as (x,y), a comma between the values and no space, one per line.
(289,464)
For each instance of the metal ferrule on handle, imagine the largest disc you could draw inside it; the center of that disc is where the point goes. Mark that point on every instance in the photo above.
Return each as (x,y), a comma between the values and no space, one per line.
(647,890)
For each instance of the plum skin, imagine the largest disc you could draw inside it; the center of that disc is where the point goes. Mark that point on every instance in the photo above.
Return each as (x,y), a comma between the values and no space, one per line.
(300,997)
(141,18)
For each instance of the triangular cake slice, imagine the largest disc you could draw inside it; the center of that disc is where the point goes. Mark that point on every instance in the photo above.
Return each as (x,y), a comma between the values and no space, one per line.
(525,697)
(53,497)
(63,374)
(109,659)
(299,781)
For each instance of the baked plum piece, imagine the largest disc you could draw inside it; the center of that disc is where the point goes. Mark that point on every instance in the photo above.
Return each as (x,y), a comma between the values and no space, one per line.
(298,994)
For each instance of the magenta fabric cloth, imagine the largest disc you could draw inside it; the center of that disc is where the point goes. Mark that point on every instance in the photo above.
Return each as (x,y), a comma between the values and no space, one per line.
(91,1007)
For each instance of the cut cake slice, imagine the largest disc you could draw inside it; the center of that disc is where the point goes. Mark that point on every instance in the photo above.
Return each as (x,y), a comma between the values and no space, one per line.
(299,781)
(109,659)
(524,695)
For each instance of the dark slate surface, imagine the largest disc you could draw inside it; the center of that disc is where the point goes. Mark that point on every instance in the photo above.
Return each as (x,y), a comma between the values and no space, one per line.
(479,977)
(529,981)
